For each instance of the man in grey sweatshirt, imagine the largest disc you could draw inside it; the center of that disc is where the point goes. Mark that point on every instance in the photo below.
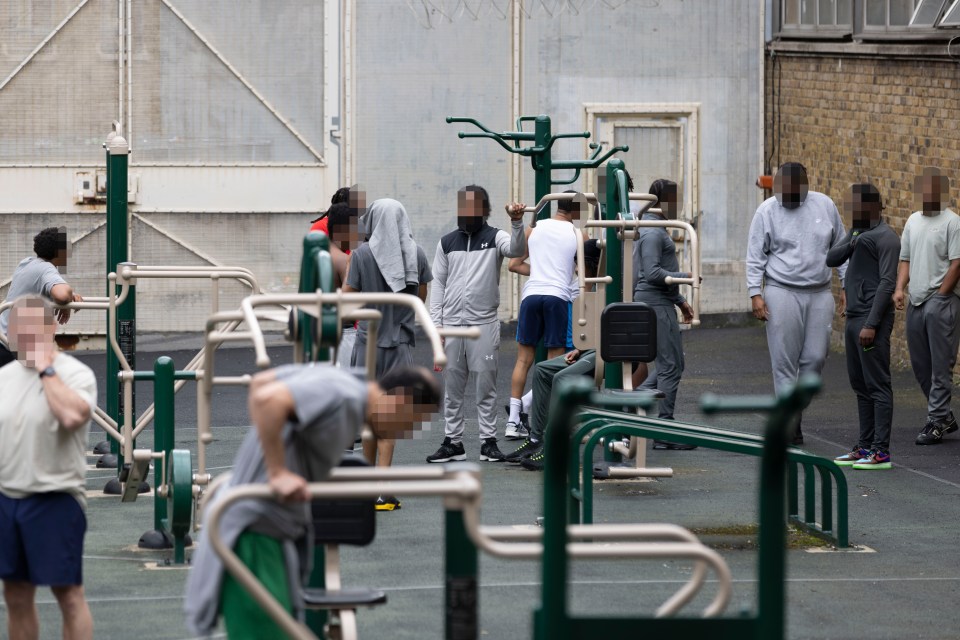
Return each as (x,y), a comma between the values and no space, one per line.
(788,279)
(872,250)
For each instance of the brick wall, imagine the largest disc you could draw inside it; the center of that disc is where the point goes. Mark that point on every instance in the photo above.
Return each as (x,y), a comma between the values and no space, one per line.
(855,119)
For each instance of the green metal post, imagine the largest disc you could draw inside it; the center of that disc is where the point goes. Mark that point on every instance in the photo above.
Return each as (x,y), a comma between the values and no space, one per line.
(461,621)
(612,378)
(543,162)
(314,244)
(163,403)
(551,618)
(117,232)
(316,619)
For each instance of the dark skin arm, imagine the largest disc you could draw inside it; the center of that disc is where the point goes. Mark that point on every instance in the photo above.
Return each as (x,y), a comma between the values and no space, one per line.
(951,278)
(271,405)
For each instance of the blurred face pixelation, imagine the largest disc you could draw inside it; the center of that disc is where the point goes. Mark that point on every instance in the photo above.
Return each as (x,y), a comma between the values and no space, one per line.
(931,189)
(63,251)
(469,211)
(864,207)
(399,417)
(31,329)
(669,202)
(790,186)
(347,236)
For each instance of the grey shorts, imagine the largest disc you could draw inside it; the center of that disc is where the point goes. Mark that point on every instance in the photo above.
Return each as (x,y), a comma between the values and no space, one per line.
(387,358)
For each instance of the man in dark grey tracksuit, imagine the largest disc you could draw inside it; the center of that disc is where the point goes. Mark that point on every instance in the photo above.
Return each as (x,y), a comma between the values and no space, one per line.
(788,279)
(929,275)
(654,260)
(872,249)
(466,293)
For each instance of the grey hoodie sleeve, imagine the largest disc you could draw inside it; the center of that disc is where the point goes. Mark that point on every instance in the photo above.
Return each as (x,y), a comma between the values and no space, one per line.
(839,234)
(758,247)
(513,245)
(438,286)
(888,255)
(651,253)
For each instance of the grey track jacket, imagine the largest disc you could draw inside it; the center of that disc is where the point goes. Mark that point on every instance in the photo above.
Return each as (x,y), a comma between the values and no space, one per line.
(790,247)
(466,274)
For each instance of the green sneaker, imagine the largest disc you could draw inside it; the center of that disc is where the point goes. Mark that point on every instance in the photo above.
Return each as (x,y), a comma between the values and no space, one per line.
(876,460)
(851,458)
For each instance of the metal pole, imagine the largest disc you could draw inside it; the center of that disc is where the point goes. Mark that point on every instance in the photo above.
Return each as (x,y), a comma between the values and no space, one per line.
(544,163)
(461,621)
(162,430)
(125,328)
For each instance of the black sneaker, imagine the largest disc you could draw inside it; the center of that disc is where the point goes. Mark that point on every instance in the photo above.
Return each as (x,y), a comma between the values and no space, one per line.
(387,503)
(489,452)
(932,432)
(528,447)
(448,452)
(950,425)
(534,461)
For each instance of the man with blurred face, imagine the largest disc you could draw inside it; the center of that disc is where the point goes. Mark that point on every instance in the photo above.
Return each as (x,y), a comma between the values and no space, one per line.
(303,416)
(344,232)
(48,398)
(41,275)
(466,293)
(788,279)
(928,276)
(871,251)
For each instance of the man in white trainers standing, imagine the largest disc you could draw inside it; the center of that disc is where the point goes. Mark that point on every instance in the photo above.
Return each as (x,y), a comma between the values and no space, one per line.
(466,293)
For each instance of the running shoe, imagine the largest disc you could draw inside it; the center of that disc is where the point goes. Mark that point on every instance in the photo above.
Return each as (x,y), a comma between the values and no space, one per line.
(489,452)
(876,460)
(534,461)
(387,503)
(950,424)
(517,430)
(932,432)
(853,456)
(448,452)
(528,447)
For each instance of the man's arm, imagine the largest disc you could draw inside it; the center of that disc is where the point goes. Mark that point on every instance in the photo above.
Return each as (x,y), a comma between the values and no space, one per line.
(439,288)
(951,278)
(903,279)
(514,244)
(651,253)
(61,293)
(271,404)
(758,248)
(839,233)
(888,250)
(70,408)
(518,264)
(841,252)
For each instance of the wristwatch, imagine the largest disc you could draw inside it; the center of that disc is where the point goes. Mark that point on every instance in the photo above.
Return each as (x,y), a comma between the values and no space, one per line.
(49,371)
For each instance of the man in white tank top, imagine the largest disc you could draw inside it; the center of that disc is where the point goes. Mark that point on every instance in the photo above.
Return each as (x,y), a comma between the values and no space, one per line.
(544,303)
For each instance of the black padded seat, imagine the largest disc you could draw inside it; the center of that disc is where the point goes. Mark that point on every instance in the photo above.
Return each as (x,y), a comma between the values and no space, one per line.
(628,332)
(343,598)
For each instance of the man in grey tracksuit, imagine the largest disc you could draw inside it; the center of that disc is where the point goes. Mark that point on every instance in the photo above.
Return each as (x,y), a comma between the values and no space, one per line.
(788,278)
(872,249)
(929,276)
(466,293)
(655,260)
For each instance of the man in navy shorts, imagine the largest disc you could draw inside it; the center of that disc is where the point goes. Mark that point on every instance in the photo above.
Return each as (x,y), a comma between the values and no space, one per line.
(43,437)
(544,305)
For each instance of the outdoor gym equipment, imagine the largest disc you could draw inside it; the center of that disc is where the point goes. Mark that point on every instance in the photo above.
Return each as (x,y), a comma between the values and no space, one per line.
(553,621)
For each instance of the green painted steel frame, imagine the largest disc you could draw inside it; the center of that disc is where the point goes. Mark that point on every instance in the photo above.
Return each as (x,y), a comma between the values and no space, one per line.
(316,273)
(600,424)
(553,621)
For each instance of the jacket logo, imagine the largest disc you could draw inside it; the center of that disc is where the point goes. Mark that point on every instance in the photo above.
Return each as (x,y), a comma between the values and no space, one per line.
(488,357)
(484,245)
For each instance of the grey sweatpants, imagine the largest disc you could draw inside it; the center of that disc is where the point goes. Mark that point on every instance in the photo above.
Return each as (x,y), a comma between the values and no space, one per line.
(669,362)
(545,376)
(932,338)
(480,357)
(798,332)
(869,371)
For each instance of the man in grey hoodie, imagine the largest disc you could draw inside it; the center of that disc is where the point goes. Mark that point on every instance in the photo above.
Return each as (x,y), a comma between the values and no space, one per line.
(872,250)
(788,278)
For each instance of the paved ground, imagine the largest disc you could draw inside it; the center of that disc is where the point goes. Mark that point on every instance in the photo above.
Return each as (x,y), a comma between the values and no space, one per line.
(908,516)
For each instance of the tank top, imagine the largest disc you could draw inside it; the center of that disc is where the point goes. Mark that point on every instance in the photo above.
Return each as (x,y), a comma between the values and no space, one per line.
(553,250)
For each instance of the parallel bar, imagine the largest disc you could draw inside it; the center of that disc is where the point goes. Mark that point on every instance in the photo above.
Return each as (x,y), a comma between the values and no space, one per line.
(809,495)
(826,501)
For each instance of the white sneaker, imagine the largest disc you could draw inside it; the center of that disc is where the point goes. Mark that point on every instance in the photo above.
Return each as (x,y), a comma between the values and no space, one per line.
(514,431)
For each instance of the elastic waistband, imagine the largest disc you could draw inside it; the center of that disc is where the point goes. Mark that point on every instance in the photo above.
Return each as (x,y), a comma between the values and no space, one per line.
(813,288)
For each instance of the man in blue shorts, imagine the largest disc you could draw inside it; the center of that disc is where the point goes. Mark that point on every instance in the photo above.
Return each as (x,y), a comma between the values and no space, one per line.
(43,464)
(552,250)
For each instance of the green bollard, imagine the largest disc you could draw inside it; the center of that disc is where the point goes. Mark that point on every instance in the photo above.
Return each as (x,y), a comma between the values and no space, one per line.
(461,621)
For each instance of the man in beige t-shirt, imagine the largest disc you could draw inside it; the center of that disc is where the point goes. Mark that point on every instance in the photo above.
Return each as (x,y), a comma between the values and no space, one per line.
(44,419)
